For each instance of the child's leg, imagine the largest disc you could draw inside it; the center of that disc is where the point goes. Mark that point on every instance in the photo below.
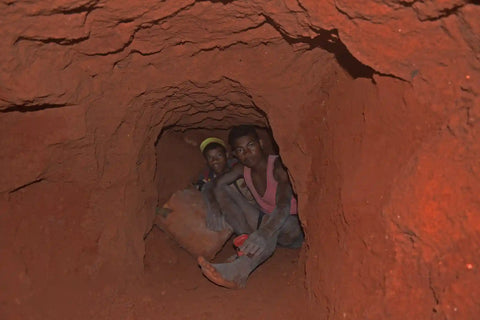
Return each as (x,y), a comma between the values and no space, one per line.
(235,274)
(238,212)
(291,233)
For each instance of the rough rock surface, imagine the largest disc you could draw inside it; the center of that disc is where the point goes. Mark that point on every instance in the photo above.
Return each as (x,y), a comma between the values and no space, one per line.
(383,156)
(183,218)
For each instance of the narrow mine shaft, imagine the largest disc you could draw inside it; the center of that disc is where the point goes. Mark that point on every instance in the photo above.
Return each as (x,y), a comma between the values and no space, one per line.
(372,106)
(172,270)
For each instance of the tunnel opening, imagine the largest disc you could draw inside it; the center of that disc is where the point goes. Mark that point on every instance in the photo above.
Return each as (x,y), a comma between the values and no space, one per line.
(178,164)
(179,161)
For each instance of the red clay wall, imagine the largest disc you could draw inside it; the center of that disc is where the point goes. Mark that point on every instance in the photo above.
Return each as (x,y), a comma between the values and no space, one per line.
(386,172)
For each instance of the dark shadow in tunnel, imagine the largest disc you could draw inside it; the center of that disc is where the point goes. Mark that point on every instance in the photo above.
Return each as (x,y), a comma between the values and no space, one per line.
(179,162)
(344,58)
(330,41)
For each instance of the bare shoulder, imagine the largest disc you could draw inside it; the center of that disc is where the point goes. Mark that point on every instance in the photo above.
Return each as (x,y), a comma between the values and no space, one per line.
(237,168)
(279,171)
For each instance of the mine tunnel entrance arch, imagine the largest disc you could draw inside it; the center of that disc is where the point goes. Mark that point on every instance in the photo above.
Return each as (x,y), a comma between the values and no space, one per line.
(190,111)
(178,163)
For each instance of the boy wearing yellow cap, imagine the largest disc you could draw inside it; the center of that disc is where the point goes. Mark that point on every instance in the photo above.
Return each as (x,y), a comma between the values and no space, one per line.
(216,156)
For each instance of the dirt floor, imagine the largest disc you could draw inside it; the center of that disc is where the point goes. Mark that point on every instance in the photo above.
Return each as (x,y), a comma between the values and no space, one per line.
(179,291)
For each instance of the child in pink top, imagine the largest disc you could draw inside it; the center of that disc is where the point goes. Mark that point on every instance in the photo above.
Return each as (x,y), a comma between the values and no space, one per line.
(270,222)
(267,201)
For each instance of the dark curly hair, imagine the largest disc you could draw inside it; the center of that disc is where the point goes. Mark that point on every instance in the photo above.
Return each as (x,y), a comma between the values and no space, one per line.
(241,131)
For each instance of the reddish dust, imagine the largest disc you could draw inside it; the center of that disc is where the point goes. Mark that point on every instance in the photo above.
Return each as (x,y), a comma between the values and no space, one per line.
(177,289)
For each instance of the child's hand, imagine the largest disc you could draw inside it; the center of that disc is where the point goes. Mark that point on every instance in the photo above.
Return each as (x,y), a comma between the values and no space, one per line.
(199,184)
(256,244)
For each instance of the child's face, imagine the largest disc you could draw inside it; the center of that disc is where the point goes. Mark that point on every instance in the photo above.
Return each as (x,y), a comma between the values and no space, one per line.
(248,150)
(216,160)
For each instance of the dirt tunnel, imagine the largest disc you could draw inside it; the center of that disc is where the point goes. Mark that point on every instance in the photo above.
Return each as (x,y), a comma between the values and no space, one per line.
(374,110)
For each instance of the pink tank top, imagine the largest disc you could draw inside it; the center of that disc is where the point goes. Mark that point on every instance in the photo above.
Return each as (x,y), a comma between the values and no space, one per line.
(267,202)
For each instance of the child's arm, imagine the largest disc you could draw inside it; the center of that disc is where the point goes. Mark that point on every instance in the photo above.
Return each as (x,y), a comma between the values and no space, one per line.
(283,199)
(273,222)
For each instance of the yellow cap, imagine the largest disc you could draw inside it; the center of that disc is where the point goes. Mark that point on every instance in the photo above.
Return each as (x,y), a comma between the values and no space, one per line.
(207,141)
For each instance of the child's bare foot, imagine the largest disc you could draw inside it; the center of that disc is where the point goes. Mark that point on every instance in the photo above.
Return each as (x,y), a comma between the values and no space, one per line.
(213,275)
